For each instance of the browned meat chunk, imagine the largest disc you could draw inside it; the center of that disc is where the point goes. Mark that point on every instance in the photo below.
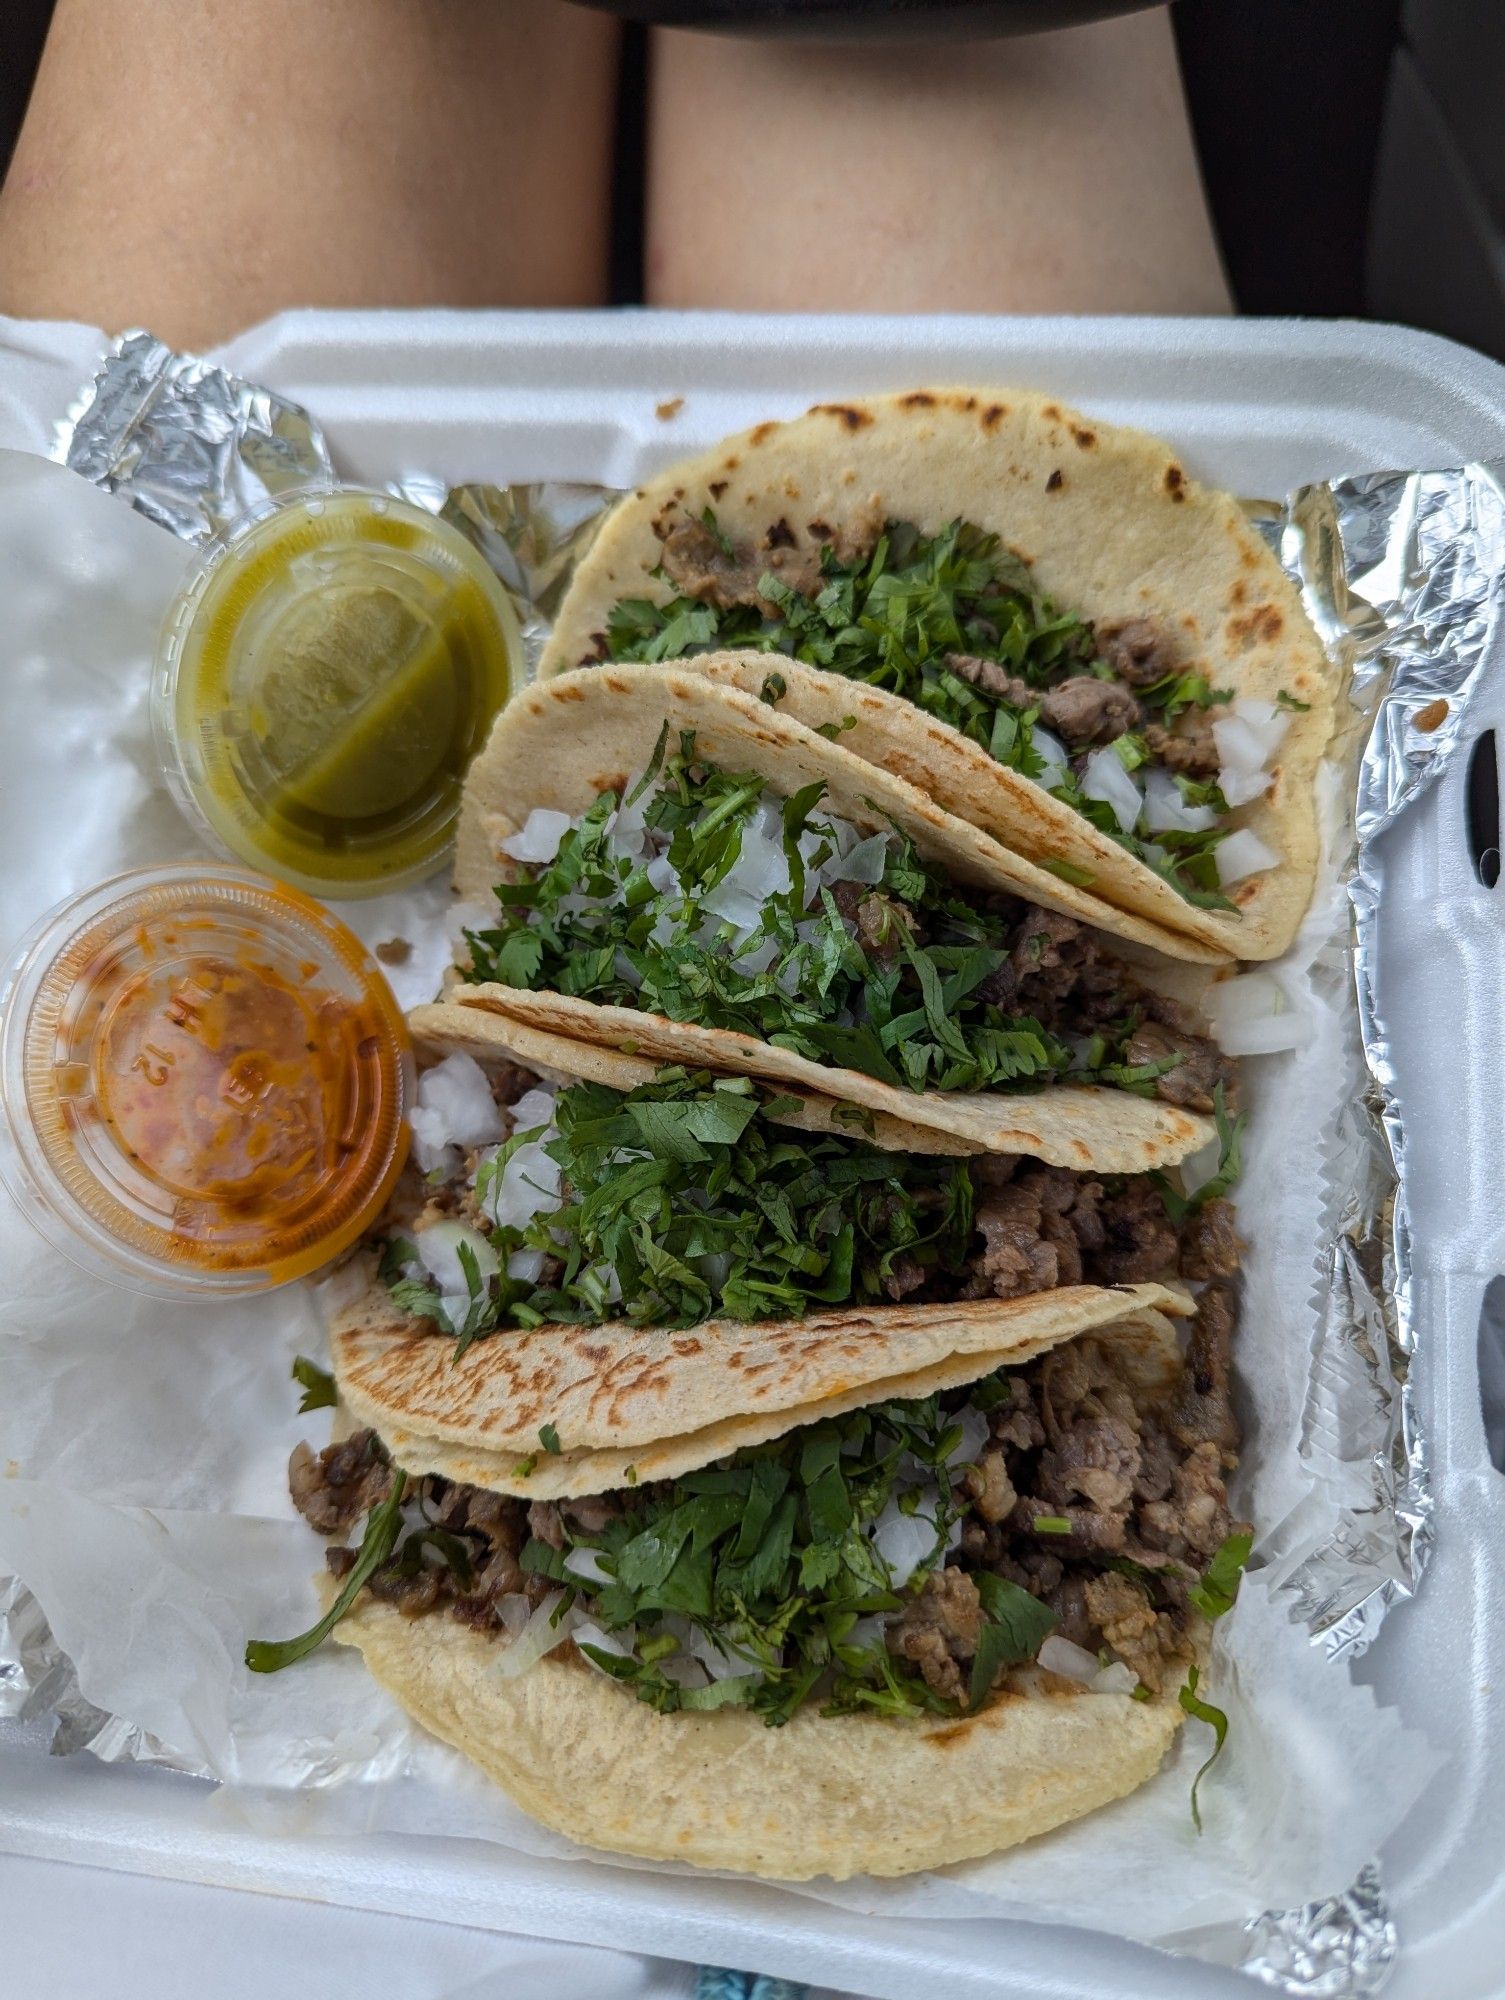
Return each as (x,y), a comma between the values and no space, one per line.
(903,1277)
(1188,747)
(412,1595)
(344,1482)
(698,564)
(1137,650)
(1085,710)
(1150,1642)
(1200,1068)
(1139,1236)
(1210,1243)
(1194,1521)
(993,679)
(1016,1257)
(1097,1460)
(1017,1421)
(1202,1409)
(988,1483)
(545,1523)
(938,1631)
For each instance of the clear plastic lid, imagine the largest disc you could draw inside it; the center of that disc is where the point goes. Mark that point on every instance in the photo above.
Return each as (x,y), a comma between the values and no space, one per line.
(325,677)
(205,1081)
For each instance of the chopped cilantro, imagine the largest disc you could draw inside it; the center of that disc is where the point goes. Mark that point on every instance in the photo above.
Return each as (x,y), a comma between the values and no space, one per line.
(895,618)
(1216,1592)
(319,1392)
(383,1526)
(548,1437)
(914,1012)
(1216,1720)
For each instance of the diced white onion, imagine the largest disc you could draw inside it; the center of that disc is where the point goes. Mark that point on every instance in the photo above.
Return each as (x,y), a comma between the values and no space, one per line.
(627,972)
(1165,809)
(438,1249)
(536,1638)
(588,1633)
(719,1666)
(868,1631)
(715,1268)
(626,830)
(1266,720)
(1057,760)
(1249,1016)
(539,836)
(528,1185)
(1115,1678)
(1063,1656)
(514,1611)
(758,959)
(975,1432)
(526,1266)
(586,1563)
(455,1109)
(663,875)
(865,863)
(534,1107)
(1243,853)
(904,1540)
(1239,787)
(1106,779)
(760,870)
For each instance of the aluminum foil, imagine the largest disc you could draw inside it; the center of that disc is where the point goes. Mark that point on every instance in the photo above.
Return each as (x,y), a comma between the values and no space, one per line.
(188,444)
(1400,573)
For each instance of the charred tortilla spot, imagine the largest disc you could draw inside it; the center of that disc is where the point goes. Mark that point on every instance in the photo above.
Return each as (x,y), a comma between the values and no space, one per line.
(847,414)
(994,415)
(1056,481)
(730,464)
(1052,412)
(569,693)
(1085,439)
(917,399)
(1175,482)
(781,536)
(718,487)
(1263,624)
(762,433)
(1238,594)
(820,531)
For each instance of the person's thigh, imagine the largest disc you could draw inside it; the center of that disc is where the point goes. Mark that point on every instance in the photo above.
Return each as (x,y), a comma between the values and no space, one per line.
(196,164)
(1050,174)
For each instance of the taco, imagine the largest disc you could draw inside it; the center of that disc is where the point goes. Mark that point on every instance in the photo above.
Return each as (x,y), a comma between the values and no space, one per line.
(567,1199)
(1039,619)
(680,871)
(949,1602)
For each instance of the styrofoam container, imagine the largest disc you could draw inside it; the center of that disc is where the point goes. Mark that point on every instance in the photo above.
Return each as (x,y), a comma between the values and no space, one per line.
(1258,408)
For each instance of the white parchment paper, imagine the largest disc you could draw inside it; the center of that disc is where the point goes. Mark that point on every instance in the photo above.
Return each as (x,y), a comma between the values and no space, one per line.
(143,1445)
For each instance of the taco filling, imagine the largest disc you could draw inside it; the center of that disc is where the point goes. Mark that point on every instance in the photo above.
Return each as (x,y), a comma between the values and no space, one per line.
(1107,719)
(704,896)
(686,1199)
(905,1559)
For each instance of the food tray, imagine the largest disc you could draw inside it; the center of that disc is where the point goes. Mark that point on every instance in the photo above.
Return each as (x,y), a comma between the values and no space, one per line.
(1258,408)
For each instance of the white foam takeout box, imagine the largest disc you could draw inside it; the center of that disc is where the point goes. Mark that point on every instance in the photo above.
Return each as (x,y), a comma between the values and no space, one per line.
(1258,408)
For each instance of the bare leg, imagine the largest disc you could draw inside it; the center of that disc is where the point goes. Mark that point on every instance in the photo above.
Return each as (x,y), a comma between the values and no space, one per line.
(1050,174)
(193,165)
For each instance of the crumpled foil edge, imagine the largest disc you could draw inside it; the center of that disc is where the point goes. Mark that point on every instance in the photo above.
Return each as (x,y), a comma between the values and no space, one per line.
(1396,573)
